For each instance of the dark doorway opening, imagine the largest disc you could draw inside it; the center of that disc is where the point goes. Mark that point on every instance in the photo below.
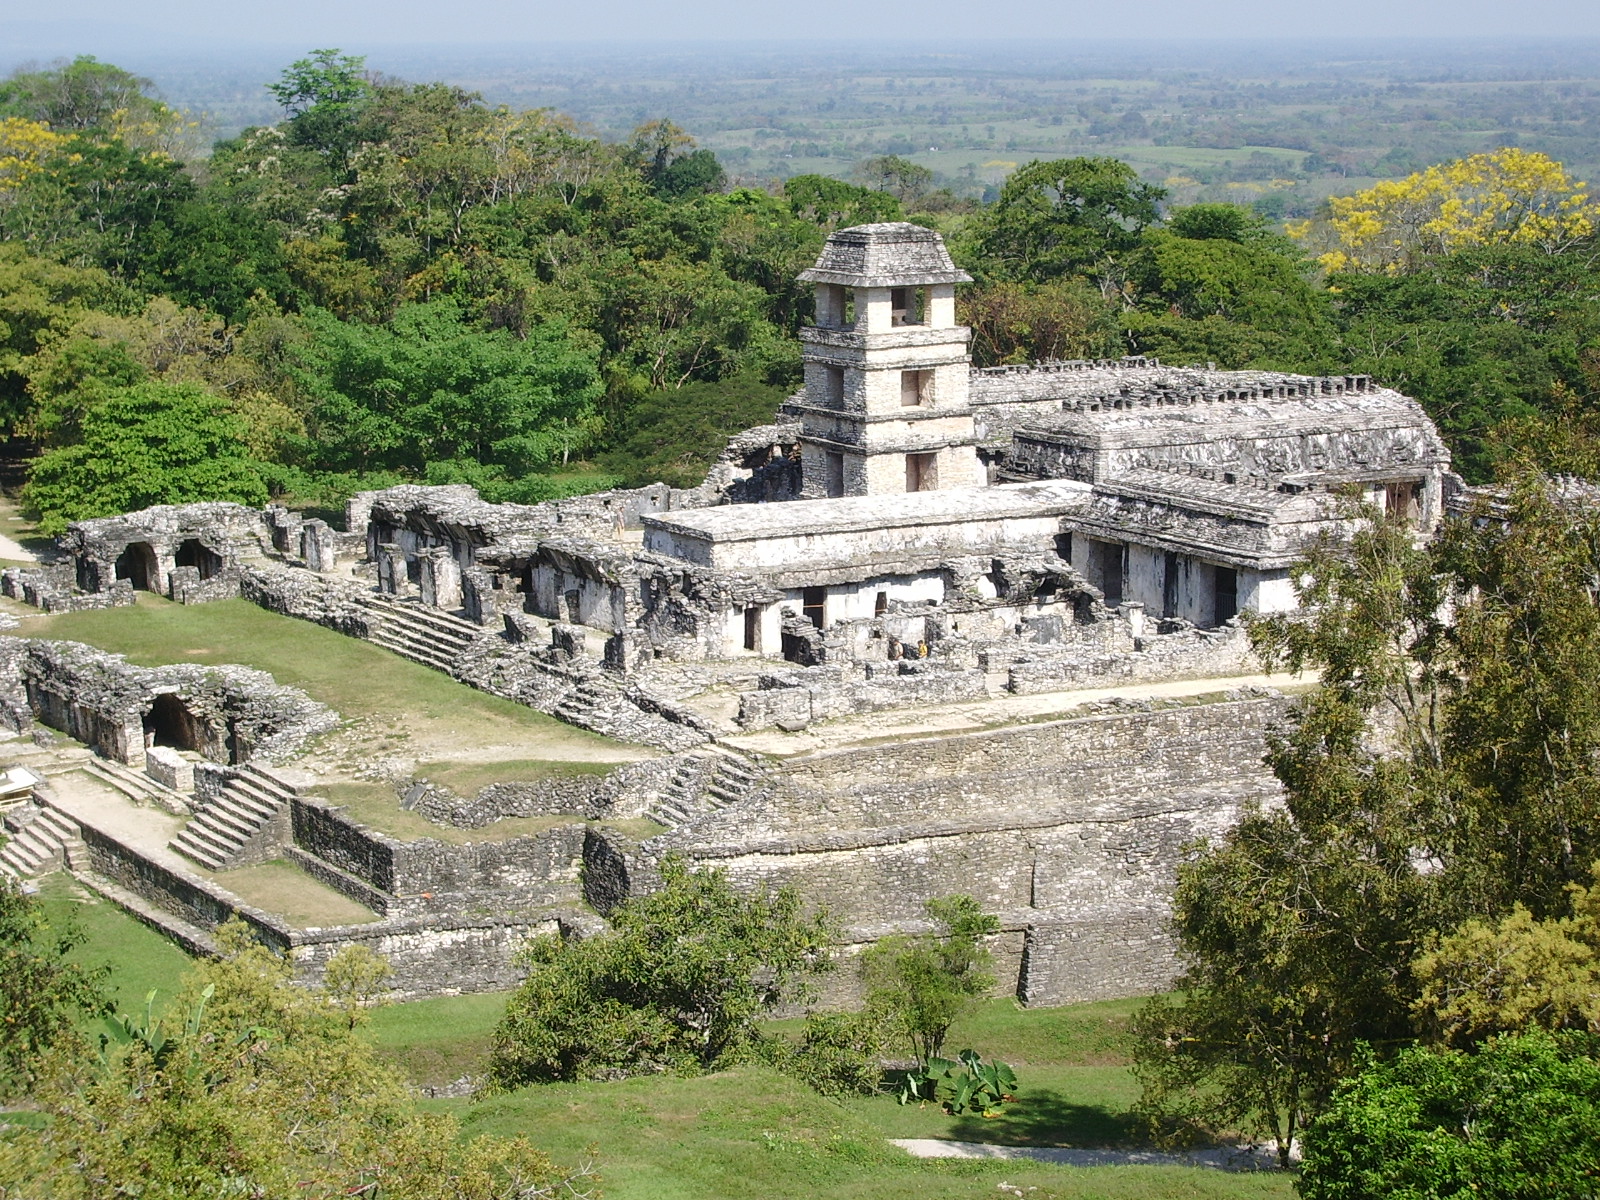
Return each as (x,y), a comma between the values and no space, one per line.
(752,628)
(202,558)
(814,605)
(880,604)
(1106,564)
(170,723)
(1227,594)
(1169,586)
(137,564)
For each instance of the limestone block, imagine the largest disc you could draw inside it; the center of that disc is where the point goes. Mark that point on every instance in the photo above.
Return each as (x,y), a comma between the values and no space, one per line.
(169,768)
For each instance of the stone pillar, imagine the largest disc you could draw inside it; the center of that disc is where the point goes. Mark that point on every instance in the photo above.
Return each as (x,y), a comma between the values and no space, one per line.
(284,526)
(392,570)
(439,578)
(319,545)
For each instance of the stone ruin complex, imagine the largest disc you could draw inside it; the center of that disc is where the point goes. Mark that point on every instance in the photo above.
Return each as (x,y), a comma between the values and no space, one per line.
(910,533)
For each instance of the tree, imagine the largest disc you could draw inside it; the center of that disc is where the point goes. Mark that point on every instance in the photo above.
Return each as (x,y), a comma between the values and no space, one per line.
(1518,1118)
(82,95)
(42,992)
(677,983)
(1022,323)
(923,984)
(428,387)
(835,204)
(1505,197)
(252,1086)
(1297,928)
(1064,217)
(325,96)
(674,436)
(155,443)
(1514,974)
(899,177)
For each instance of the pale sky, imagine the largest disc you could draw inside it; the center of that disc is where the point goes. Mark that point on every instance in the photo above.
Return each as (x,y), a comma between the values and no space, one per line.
(369,23)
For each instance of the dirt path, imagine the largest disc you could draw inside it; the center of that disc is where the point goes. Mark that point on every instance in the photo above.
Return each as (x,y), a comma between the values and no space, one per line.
(15,551)
(968,715)
(1227,1158)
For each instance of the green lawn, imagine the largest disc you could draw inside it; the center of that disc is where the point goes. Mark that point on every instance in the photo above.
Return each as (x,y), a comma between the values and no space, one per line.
(409,707)
(140,959)
(752,1133)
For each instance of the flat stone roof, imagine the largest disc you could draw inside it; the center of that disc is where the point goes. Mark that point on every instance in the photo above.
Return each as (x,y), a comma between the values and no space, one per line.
(753,522)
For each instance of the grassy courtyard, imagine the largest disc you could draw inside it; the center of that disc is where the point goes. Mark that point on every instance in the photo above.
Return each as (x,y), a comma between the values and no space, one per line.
(752,1133)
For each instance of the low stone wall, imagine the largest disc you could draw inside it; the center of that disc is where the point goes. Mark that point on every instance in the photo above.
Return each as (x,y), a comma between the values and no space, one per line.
(628,791)
(795,699)
(1103,956)
(1191,654)
(53,589)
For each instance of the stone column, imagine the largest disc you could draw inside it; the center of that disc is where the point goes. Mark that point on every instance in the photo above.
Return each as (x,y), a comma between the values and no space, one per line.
(392,570)
(440,578)
(319,545)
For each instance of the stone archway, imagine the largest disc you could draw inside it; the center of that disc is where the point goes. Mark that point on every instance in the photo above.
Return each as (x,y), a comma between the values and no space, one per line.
(137,564)
(195,553)
(170,723)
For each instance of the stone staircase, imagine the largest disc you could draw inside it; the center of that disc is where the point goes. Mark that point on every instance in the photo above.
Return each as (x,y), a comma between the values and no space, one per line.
(221,832)
(706,781)
(39,842)
(595,704)
(136,785)
(416,631)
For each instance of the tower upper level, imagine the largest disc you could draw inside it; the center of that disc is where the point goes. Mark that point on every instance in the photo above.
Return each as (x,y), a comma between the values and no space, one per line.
(875,278)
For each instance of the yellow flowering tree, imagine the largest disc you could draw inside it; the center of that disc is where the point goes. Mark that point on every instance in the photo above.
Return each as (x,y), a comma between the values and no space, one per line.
(1507,197)
(26,148)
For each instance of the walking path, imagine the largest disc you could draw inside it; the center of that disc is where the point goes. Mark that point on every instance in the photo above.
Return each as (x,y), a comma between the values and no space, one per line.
(1236,1158)
(15,551)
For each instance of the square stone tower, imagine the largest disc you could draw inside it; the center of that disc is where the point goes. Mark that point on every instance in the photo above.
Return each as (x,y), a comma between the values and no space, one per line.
(887,371)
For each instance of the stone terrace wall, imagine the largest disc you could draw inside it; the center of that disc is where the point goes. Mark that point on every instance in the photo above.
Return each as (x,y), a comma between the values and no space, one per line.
(1071,829)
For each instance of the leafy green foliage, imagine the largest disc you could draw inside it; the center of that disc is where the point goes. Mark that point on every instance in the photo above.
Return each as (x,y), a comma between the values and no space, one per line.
(155,443)
(251,1085)
(677,984)
(923,984)
(968,1084)
(42,993)
(1059,218)
(840,1054)
(429,388)
(674,435)
(1520,1117)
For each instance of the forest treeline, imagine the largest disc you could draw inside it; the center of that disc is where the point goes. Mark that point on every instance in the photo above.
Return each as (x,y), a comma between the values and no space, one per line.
(398,281)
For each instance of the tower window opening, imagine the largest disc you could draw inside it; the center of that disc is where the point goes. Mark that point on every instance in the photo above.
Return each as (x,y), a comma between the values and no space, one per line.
(916,388)
(908,306)
(922,472)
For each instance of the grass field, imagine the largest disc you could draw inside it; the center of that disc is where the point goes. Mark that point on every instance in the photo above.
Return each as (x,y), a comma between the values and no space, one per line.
(752,1133)
(407,716)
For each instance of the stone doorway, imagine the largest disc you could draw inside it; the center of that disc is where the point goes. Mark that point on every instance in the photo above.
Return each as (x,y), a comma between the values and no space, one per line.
(170,723)
(194,553)
(137,564)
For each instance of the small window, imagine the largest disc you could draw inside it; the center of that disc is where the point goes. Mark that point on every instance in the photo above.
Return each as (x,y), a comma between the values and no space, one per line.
(835,474)
(833,387)
(922,472)
(814,605)
(916,388)
(908,306)
(881,604)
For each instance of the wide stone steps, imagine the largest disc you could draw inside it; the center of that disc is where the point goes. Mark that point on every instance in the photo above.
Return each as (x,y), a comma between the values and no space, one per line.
(221,831)
(49,841)
(413,630)
(136,785)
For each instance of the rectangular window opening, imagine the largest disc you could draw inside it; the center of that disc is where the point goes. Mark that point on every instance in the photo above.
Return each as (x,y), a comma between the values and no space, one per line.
(752,628)
(922,472)
(833,387)
(835,474)
(916,388)
(881,604)
(814,605)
